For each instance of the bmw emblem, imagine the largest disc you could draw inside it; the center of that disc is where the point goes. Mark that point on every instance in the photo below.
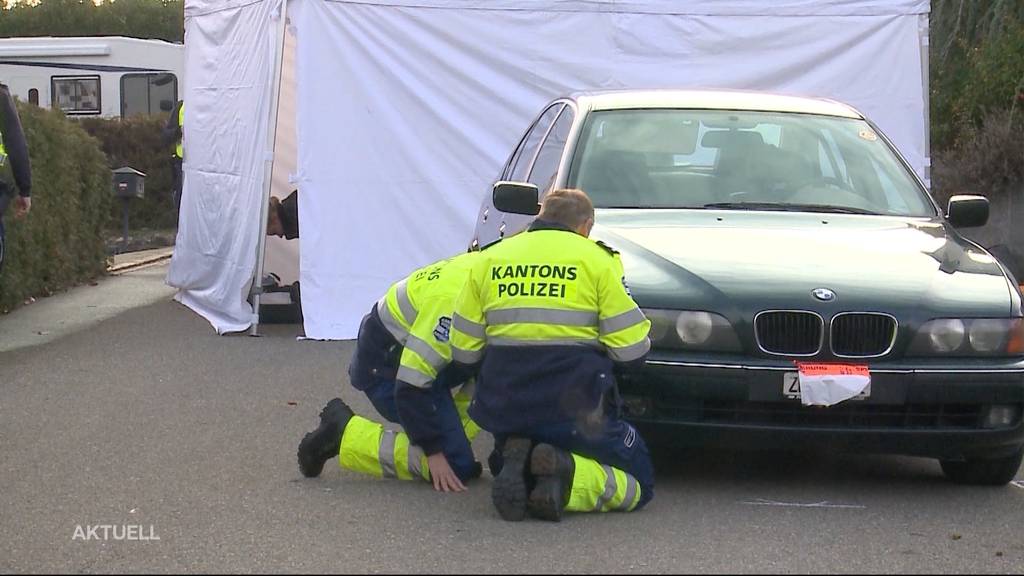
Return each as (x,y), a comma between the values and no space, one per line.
(823,294)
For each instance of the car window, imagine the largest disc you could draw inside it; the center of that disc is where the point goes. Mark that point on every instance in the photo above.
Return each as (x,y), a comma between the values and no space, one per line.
(888,188)
(665,158)
(545,167)
(520,164)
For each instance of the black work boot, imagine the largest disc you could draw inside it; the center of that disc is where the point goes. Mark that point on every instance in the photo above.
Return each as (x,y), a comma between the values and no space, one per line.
(322,444)
(553,468)
(510,490)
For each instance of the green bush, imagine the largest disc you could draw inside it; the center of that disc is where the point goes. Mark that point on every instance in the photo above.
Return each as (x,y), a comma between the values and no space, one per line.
(60,243)
(135,142)
(977,64)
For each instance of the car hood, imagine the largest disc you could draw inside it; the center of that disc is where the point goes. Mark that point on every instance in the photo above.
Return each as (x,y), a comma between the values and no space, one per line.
(740,262)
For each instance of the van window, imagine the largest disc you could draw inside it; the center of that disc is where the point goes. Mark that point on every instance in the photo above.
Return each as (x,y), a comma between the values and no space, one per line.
(142,93)
(76,94)
(33,97)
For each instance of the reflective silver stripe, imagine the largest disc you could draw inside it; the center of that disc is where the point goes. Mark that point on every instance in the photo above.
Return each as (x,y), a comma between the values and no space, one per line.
(431,356)
(468,327)
(412,456)
(414,377)
(609,488)
(404,304)
(389,320)
(541,316)
(627,353)
(386,454)
(631,488)
(503,341)
(467,356)
(622,321)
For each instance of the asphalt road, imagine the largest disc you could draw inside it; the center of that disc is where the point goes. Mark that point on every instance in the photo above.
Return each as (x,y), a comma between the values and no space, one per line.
(137,414)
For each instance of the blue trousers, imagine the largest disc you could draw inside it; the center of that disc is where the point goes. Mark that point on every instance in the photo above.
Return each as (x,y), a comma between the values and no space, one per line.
(456,446)
(613,442)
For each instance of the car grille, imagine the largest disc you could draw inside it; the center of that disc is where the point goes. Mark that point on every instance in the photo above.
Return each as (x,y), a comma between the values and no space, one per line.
(862,335)
(789,333)
(848,415)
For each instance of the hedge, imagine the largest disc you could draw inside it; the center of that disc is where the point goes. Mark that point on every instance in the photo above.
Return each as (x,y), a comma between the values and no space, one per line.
(60,243)
(135,142)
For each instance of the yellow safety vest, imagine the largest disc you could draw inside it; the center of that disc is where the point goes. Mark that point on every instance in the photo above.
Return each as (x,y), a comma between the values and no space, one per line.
(418,313)
(548,287)
(3,153)
(179,151)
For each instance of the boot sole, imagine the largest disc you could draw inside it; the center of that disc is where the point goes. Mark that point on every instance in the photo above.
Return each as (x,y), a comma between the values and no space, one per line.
(546,499)
(509,491)
(544,461)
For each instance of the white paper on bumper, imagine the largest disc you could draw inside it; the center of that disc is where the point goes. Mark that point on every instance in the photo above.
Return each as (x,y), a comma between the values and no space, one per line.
(828,385)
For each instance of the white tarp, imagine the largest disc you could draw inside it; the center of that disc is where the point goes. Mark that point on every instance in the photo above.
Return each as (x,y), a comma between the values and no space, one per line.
(229,49)
(408,109)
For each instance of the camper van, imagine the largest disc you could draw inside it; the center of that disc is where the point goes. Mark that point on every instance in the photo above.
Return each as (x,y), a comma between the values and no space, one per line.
(94,76)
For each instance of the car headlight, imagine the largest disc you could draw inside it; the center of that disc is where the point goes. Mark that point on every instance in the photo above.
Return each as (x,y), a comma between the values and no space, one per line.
(691,330)
(969,337)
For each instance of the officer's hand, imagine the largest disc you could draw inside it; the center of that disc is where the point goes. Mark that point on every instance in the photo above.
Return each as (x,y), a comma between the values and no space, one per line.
(442,474)
(22,205)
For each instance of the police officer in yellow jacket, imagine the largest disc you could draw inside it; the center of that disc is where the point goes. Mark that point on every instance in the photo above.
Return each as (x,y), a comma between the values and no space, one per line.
(545,316)
(403,364)
(172,133)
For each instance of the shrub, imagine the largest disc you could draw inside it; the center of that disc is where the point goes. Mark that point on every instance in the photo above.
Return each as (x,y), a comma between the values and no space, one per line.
(135,142)
(988,160)
(60,243)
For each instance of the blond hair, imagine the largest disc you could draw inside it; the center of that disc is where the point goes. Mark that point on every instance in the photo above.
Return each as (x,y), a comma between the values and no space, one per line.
(567,206)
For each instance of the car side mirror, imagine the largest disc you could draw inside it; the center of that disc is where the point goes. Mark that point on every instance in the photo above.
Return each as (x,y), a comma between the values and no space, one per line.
(516,198)
(967,211)
(166,105)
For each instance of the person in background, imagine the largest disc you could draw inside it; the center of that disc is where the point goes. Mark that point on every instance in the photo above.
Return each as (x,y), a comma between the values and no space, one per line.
(172,134)
(13,151)
(283,216)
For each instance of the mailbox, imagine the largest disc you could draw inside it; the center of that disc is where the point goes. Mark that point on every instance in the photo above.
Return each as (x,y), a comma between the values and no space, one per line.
(129,183)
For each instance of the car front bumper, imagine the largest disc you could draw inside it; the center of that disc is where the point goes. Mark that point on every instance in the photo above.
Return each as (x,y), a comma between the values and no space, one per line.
(927,408)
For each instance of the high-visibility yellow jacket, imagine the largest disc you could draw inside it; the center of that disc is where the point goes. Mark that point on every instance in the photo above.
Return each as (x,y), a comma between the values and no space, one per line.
(179,149)
(417,314)
(547,313)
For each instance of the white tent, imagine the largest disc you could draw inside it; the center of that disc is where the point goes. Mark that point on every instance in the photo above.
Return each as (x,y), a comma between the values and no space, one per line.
(405,111)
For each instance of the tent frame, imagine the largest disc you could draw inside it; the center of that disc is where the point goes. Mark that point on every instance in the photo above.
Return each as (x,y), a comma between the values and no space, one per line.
(268,172)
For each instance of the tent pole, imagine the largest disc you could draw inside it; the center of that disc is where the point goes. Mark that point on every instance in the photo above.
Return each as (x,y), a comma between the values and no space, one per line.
(268,174)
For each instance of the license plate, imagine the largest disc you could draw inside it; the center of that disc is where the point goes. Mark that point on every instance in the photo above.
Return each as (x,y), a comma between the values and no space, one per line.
(791,387)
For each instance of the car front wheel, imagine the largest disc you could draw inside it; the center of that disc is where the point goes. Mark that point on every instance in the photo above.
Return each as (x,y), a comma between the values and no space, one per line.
(983,471)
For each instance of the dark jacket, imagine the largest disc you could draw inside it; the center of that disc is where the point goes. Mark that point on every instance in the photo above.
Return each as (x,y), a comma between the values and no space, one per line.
(172,131)
(14,144)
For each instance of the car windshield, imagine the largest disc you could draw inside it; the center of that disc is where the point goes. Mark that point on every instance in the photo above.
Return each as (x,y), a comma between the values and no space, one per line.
(720,159)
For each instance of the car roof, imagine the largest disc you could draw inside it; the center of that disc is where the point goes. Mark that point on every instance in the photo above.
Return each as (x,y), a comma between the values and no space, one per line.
(712,100)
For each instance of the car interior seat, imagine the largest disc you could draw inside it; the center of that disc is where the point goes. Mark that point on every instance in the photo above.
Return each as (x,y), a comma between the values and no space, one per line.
(737,166)
(617,178)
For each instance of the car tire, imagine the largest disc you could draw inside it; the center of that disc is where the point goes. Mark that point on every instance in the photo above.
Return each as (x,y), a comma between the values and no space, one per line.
(983,471)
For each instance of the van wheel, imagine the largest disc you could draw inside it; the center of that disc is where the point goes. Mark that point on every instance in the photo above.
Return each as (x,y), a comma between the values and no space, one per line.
(983,471)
